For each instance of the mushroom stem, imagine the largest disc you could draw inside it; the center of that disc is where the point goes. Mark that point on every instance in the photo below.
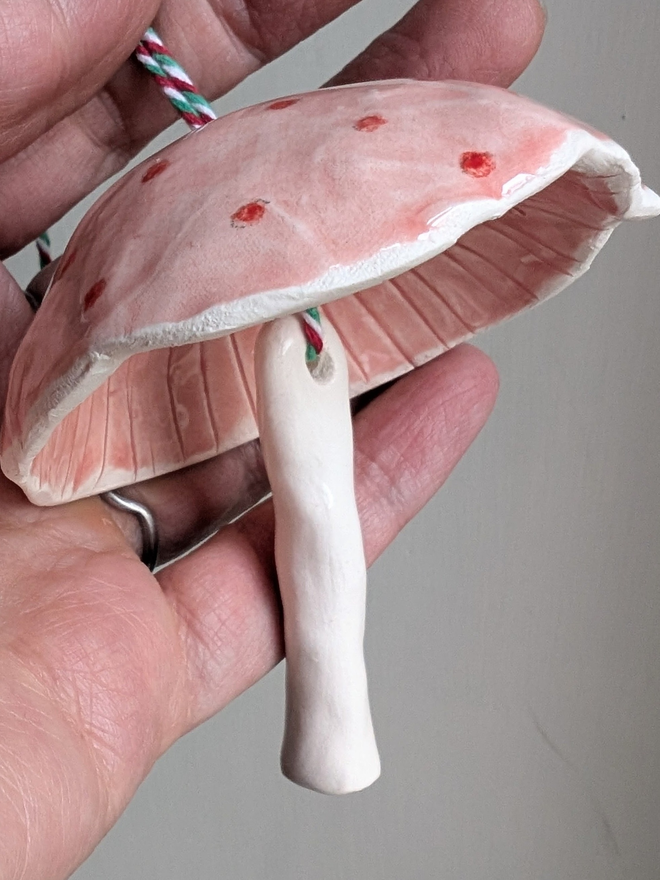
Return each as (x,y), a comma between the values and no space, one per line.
(306,436)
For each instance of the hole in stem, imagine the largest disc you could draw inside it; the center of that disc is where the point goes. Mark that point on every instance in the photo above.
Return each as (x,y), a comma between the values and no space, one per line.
(322,368)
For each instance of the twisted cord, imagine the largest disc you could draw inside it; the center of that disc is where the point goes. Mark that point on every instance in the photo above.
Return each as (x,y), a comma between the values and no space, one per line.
(173,80)
(313,333)
(44,250)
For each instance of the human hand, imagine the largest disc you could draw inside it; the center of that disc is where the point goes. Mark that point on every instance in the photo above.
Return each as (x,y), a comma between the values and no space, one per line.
(102,665)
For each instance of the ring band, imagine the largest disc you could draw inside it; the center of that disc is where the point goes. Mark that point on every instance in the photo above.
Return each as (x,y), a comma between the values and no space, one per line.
(146,519)
(147,522)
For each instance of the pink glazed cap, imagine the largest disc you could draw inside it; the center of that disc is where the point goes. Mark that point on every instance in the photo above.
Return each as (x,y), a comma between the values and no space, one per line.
(416,213)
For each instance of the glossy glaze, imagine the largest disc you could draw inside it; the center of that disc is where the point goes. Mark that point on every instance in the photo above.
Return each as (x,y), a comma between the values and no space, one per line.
(302,201)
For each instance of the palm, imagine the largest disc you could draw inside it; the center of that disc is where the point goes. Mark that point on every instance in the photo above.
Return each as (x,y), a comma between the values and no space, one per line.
(103,664)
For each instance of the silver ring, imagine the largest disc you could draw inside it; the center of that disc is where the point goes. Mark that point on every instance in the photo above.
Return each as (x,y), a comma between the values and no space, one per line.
(147,522)
(145,518)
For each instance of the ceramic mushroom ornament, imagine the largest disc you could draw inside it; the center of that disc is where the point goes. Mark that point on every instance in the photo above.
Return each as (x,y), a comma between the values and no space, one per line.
(415,213)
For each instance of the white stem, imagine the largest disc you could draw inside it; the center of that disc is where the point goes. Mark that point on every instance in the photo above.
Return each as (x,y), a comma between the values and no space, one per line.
(307,442)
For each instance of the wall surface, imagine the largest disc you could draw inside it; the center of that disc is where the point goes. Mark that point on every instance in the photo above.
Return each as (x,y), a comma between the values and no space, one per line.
(514,628)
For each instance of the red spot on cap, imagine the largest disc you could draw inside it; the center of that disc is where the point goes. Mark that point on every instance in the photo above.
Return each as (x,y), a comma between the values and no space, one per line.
(370,123)
(478,164)
(94,293)
(66,264)
(156,169)
(250,213)
(283,104)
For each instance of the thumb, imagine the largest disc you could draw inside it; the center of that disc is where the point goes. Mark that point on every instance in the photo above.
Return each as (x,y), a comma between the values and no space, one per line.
(54,56)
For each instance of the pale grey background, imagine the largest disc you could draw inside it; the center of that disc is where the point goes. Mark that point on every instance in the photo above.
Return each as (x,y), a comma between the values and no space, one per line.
(514,628)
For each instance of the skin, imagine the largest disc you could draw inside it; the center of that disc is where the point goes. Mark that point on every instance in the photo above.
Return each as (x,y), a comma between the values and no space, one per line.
(103,666)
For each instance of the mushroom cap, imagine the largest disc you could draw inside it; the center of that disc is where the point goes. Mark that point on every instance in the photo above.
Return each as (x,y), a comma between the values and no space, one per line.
(418,212)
